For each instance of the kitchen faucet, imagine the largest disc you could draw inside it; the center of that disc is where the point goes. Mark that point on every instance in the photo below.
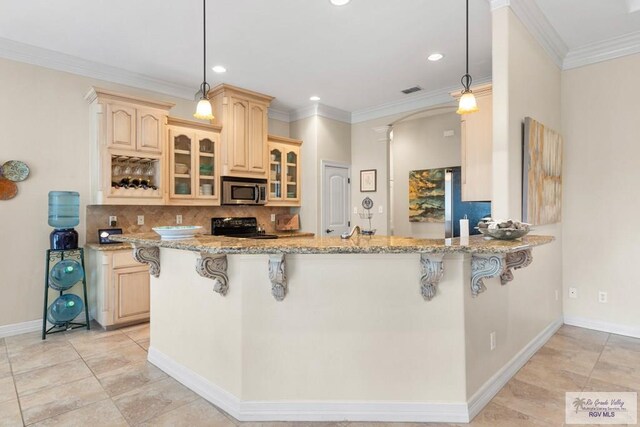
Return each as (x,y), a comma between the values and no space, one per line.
(349,234)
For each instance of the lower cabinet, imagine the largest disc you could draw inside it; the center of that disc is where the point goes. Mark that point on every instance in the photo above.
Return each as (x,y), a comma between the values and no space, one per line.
(119,286)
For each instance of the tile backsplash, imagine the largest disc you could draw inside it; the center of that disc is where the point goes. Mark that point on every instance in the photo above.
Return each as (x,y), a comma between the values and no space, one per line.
(98,216)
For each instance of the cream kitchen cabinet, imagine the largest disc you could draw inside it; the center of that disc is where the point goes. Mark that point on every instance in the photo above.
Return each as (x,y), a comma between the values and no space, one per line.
(477,148)
(194,163)
(119,288)
(243,117)
(284,171)
(128,149)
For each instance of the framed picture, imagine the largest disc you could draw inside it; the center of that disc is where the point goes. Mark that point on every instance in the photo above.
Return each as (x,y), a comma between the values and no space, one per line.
(368,180)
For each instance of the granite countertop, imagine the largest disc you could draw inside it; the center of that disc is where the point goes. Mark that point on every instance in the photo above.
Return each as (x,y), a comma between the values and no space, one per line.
(335,245)
(108,247)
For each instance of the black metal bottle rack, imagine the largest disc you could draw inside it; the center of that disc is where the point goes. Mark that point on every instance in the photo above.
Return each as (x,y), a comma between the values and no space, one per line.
(55,256)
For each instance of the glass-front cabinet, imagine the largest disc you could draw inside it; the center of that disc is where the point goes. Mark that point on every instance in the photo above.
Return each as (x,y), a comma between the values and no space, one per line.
(194,158)
(284,171)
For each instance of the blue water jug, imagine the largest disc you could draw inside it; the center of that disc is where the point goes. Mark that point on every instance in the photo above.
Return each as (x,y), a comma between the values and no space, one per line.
(65,274)
(64,209)
(64,309)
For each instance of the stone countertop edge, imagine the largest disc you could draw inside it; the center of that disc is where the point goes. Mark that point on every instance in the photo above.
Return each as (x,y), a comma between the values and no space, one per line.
(335,245)
(108,247)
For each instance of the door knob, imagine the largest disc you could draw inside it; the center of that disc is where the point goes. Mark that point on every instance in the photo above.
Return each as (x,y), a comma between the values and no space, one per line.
(329,231)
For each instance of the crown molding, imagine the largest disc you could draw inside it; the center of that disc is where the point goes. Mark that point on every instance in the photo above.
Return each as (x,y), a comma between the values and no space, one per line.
(633,5)
(604,50)
(320,110)
(538,26)
(413,102)
(46,58)
(283,116)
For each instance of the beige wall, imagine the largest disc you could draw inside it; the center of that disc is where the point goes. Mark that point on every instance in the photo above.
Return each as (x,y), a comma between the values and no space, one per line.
(278,127)
(600,194)
(420,144)
(526,83)
(51,134)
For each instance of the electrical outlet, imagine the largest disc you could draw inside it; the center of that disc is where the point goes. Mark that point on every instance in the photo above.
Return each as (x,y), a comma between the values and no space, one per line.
(557,295)
(273,217)
(602,297)
(355,209)
(113,220)
(448,133)
(492,340)
(380,209)
(573,293)
(140,219)
(178,219)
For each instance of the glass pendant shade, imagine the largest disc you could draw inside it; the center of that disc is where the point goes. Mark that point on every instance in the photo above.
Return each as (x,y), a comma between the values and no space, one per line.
(467,103)
(203,110)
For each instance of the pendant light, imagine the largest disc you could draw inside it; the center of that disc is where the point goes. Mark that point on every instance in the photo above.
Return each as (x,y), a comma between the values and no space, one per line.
(467,103)
(203,110)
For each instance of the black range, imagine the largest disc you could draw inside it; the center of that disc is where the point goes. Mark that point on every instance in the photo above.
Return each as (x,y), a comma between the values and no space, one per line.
(239,227)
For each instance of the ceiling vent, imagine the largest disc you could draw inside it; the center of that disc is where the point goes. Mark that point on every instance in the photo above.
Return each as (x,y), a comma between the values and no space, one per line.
(412,90)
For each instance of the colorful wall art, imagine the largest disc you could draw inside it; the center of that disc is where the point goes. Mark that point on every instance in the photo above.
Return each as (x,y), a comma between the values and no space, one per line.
(426,195)
(541,174)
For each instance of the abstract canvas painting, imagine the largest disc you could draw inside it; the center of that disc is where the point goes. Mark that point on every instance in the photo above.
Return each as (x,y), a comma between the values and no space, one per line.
(426,195)
(541,174)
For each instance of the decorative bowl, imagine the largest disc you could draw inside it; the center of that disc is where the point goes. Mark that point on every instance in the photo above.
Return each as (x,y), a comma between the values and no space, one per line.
(177,232)
(181,168)
(504,233)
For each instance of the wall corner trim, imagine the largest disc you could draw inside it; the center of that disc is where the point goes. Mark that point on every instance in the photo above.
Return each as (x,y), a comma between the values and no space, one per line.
(494,384)
(282,115)
(604,50)
(20,328)
(598,325)
(538,26)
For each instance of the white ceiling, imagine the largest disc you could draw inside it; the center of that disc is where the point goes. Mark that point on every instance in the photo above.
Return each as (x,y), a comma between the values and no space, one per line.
(356,58)
(353,57)
(584,22)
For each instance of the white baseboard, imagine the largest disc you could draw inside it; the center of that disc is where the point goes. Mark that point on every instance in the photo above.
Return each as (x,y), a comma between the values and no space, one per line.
(309,410)
(30,326)
(352,411)
(20,328)
(598,325)
(490,388)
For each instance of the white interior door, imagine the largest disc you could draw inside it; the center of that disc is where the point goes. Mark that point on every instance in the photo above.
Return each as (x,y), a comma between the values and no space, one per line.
(335,199)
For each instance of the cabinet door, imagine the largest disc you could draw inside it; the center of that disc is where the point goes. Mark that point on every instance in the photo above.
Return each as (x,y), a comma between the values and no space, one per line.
(149,124)
(257,138)
(292,173)
(477,152)
(121,126)
(239,135)
(131,294)
(206,171)
(181,162)
(276,159)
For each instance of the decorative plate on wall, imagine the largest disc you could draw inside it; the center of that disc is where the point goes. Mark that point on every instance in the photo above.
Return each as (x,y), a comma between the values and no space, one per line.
(15,170)
(8,189)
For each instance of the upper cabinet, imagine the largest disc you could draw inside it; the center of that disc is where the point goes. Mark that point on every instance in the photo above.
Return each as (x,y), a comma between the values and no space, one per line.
(477,147)
(194,163)
(284,171)
(243,117)
(128,149)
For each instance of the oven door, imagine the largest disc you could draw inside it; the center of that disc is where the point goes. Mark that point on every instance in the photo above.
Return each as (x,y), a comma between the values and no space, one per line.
(243,193)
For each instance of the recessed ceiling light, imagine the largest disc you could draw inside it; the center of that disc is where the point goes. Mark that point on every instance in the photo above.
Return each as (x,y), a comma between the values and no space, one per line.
(339,2)
(314,98)
(219,69)
(435,57)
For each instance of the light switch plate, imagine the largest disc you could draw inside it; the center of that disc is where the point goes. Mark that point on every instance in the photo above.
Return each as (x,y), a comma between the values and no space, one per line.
(140,219)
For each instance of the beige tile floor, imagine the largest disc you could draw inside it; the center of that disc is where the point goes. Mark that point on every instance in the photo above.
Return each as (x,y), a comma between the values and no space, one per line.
(98,378)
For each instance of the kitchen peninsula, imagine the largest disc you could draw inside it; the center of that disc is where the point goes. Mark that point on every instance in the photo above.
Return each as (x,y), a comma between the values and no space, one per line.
(371,328)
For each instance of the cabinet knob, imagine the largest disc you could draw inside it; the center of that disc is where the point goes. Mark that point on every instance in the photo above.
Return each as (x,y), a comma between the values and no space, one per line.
(329,231)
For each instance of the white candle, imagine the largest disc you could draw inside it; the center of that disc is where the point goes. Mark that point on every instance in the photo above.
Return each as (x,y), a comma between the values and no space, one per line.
(464,227)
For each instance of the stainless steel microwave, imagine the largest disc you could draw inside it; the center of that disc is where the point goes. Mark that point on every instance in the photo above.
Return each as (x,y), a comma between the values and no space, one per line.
(243,191)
